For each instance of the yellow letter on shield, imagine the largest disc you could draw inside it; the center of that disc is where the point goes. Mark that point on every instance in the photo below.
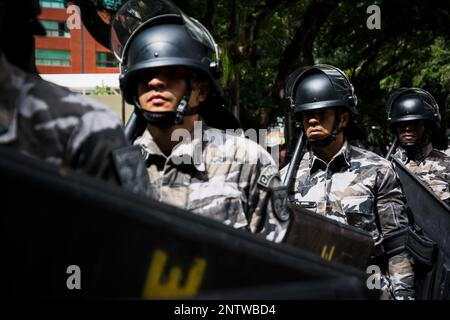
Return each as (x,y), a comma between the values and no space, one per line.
(171,288)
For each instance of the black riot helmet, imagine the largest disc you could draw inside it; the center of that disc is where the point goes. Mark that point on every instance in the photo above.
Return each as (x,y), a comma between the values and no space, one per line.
(324,86)
(409,104)
(169,39)
(155,33)
(321,86)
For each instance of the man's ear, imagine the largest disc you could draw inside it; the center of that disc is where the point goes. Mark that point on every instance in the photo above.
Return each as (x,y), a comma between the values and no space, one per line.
(345,118)
(203,90)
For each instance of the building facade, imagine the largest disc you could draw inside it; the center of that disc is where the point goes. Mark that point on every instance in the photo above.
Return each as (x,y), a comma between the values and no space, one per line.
(69,51)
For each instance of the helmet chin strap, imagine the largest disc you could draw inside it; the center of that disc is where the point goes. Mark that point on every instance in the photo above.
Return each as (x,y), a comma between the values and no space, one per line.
(167,119)
(181,109)
(325,141)
(415,150)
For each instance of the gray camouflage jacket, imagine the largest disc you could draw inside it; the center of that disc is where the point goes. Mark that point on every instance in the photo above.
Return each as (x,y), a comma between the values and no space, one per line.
(358,188)
(222,176)
(51,123)
(447,152)
(433,169)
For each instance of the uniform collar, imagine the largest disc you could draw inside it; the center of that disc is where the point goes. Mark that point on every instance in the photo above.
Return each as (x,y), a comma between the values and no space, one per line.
(428,149)
(425,152)
(185,153)
(148,145)
(340,159)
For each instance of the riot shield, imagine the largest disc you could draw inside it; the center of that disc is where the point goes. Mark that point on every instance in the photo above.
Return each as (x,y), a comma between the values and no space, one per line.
(329,239)
(432,248)
(66,235)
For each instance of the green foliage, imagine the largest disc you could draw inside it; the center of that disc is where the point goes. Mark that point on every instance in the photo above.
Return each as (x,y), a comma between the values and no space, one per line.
(102,91)
(436,69)
(263,41)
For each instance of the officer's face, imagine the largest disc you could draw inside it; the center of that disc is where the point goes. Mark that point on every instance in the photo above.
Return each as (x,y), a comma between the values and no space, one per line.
(318,123)
(161,89)
(411,131)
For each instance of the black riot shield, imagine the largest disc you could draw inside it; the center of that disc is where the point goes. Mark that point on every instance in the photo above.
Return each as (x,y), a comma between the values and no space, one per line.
(329,239)
(66,235)
(430,245)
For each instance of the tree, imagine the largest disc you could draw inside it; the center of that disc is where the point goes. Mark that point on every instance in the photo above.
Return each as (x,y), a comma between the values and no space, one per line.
(263,41)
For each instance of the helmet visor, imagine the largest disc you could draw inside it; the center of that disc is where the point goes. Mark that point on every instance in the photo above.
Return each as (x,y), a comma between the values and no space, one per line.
(430,105)
(135,14)
(339,80)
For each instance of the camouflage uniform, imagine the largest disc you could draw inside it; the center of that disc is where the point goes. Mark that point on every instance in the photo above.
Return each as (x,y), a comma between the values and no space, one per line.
(222,176)
(51,123)
(433,168)
(447,152)
(355,188)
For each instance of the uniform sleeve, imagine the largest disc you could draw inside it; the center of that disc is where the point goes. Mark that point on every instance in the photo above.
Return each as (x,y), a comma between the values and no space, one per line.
(443,173)
(393,217)
(92,142)
(267,212)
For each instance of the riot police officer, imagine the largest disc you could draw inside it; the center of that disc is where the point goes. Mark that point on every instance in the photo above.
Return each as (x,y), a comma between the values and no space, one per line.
(48,122)
(414,118)
(343,182)
(169,72)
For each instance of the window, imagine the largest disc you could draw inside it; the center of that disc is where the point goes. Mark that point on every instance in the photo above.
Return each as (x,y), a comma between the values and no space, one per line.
(59,4)
(56,29)
(52,57)
(112,4)
(106,60)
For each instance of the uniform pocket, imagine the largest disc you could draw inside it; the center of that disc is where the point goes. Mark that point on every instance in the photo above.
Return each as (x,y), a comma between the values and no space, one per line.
(318,207)
(227,210)
(359,211)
